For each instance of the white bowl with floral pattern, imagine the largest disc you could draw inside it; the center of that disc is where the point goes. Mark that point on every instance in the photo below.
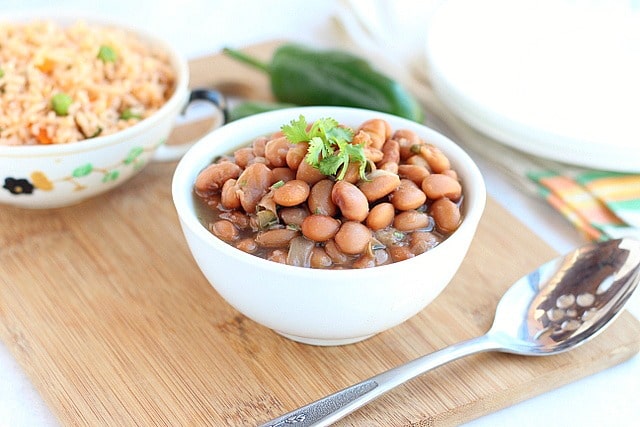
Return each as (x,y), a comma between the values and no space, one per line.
(57,175)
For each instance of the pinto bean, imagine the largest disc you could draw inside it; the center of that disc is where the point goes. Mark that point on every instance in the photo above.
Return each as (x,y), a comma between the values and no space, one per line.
(275,151)
(283,174)
(378,129)
(253,184)
(379,183)
(407,134)
(224,230)
(437,160)
(291,193)
(364,261)
(276,238)
(422,241)
(213,177)
(380,216)
(361,138)
(258,145)
(390,236)
(350,200)
(319,200)
(389,167)
(353,172)
(353,237)
(406,140)
(229,196)
(390,152)
(374,155)
(247,245)
(438,185)
(411,220)
(415,173)
(296,155)
(452,173)
(400,253)
(334,252)
(257,159)
(320,258)
(407,196)
(243,156)
(238,218)
(405,149)
(446,215)
(418,160)
(319,228)
(367,260)
(293,216)
(308,173)
(278,255)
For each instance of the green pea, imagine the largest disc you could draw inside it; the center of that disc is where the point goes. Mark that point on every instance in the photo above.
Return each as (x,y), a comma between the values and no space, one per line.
(107,54)
(1,73)
(129,114)
(60,103)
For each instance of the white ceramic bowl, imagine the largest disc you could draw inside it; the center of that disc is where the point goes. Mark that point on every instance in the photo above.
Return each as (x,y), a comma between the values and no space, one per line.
(322,307)
(47,176)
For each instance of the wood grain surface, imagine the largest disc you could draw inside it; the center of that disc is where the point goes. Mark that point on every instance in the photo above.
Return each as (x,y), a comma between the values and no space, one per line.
(109,316)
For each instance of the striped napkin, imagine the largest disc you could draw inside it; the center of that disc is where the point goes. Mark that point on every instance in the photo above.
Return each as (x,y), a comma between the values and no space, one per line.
(600,204)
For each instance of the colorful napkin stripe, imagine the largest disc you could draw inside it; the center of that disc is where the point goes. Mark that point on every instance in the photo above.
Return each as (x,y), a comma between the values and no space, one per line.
(601,205)
(620,192)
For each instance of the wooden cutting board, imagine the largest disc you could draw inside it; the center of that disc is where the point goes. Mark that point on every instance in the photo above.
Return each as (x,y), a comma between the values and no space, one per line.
(107,313)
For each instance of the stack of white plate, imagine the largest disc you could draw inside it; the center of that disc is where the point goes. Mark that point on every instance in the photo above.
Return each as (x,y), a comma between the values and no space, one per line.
(557,79)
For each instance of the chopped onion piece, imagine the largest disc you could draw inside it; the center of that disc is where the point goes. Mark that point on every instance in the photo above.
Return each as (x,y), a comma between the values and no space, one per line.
(300,252)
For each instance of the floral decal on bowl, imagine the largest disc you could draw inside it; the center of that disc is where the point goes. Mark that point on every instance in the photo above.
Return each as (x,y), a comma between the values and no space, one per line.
(39,180)
(18,186)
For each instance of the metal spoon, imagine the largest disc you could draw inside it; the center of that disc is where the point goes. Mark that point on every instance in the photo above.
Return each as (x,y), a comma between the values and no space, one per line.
(559,306)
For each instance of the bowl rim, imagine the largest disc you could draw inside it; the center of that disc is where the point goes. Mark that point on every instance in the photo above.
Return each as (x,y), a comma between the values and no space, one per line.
(177,98)
(203,151)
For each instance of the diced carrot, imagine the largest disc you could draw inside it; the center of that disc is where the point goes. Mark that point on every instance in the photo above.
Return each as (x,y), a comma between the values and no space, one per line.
(46,66)
(43,137)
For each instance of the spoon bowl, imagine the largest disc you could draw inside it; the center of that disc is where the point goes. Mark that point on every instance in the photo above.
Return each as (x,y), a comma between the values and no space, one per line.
(555,308)
(569,300)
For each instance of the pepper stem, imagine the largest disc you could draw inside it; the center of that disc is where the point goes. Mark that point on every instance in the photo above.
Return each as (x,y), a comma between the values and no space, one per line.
(243,57)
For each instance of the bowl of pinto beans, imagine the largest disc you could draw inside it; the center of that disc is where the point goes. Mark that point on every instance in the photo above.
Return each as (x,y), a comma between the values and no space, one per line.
(328,225)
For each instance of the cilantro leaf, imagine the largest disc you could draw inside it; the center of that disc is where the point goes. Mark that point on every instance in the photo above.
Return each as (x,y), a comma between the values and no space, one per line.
(356,154)
(296,131)
(340,134)
(330,148)
(322,127)
(315,152)
(330,165)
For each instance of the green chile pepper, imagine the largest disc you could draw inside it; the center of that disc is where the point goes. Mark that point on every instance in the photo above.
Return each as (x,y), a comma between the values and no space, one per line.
(303,76)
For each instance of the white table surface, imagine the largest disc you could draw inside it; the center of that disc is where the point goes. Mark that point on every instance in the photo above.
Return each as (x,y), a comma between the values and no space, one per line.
(201,27)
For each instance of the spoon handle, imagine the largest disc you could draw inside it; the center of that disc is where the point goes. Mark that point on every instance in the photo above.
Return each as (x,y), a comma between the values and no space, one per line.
(330,409)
